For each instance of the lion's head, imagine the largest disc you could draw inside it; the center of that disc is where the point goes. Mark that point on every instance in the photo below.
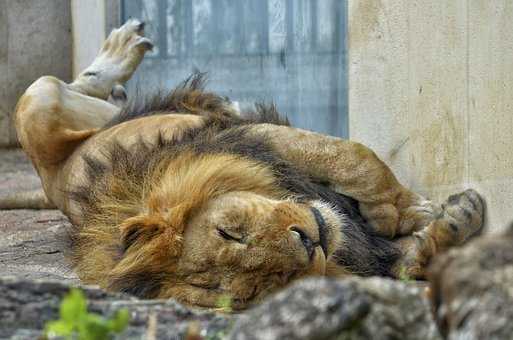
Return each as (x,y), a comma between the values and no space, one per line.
(211,225)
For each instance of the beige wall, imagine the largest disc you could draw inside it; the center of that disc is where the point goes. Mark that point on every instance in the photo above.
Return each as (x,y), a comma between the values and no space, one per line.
(431,90)
(35,40)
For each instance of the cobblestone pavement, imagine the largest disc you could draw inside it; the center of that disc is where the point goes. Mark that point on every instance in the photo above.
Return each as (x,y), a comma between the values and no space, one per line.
(31,241)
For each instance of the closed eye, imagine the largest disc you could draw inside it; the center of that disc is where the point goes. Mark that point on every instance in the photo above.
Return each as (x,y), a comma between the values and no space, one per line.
(228,236)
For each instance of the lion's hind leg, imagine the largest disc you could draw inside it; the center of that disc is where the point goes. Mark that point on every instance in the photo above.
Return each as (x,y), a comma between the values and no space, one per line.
(462,216)
(53,118)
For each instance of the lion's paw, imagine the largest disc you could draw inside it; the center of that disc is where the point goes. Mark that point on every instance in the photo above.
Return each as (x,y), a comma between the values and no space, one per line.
(462,216)
(124,49)
(417,216)
(118,59)
(464,213)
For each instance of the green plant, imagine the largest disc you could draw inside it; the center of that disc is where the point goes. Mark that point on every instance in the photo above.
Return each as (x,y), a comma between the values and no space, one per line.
(403,275)
(77,323)
(224,303)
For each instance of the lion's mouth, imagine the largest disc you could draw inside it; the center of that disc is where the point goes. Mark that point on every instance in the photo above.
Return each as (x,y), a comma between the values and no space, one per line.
(323,230)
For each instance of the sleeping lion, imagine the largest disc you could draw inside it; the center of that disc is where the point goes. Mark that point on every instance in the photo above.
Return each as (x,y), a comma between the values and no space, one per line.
(185,197)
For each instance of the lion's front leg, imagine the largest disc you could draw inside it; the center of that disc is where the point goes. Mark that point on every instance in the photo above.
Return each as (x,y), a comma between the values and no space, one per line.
(354,170)
(462,216)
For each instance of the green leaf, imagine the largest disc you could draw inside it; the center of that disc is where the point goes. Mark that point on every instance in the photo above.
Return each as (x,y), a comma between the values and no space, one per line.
(119,321)
(93,327)
(73,307)
(58,328)
(77,323)
(224,303)
(403,274)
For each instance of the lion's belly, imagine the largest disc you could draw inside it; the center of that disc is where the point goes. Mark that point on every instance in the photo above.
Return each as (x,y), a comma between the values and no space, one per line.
(127,134)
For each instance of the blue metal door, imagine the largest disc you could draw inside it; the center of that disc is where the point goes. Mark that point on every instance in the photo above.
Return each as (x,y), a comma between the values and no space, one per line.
(292,52)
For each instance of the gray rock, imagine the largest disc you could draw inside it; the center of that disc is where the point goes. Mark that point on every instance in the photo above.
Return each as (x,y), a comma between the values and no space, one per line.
(26,305)
(472,289)
(355,308)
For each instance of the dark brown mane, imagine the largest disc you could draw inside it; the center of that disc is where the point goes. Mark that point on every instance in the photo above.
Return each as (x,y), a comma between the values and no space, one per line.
(190,97)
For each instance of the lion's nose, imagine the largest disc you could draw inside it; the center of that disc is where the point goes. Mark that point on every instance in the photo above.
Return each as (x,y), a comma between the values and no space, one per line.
(305,239)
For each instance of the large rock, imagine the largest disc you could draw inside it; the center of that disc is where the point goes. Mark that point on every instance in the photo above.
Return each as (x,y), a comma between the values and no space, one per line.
(355,308)
(472,289)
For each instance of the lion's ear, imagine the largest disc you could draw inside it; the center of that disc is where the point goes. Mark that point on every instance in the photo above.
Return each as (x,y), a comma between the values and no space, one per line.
(140,230)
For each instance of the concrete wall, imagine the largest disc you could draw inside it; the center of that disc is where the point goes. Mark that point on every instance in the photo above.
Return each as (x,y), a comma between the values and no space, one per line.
(35,40)
(431,90)
(92,21)
(88,18)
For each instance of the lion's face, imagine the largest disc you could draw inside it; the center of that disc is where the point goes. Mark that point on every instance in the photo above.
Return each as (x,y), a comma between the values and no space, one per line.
(217,226)
(244,245)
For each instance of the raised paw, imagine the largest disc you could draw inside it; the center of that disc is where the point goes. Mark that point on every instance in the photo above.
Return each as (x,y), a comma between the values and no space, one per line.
(119,57)
(124,49)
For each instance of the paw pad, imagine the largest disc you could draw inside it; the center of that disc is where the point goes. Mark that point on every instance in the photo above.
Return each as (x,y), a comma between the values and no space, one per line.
(464,213)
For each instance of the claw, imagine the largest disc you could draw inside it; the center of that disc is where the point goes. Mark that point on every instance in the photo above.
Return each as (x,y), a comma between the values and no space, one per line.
(140,27)
(134,25)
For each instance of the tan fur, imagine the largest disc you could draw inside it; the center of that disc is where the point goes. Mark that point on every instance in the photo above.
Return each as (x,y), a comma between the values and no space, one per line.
(167,228)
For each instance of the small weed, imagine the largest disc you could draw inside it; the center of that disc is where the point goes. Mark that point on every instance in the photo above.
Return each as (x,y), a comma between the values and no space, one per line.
(224,304)
(77,323)
(403,275)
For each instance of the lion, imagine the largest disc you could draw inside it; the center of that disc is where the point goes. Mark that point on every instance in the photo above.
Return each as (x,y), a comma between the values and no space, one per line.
(183,196)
